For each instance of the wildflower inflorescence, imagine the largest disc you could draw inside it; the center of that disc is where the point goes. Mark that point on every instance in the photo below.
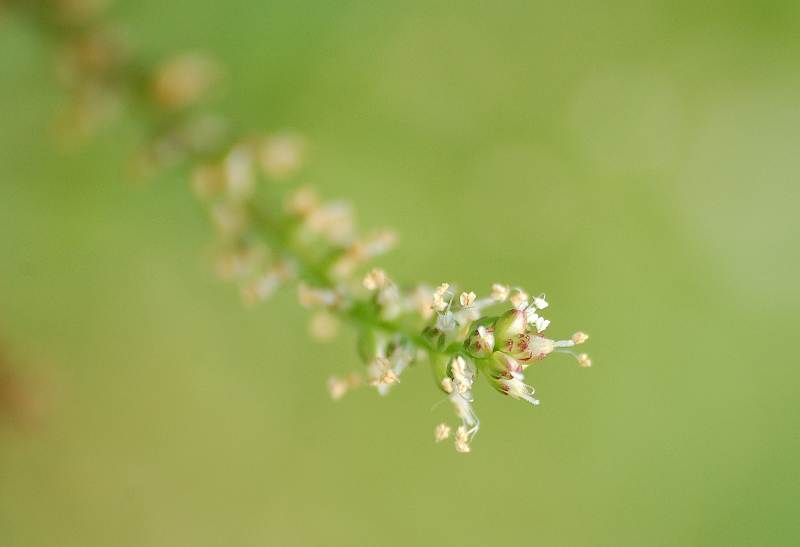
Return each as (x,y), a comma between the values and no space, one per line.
(270,232)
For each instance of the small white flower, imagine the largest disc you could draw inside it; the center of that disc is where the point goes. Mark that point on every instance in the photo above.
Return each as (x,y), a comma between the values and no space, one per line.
(515,387)
(381,374)
(446,321)
(584,361)
(467,299)
(463,408)
(466,316)
(541,324)
(539,302)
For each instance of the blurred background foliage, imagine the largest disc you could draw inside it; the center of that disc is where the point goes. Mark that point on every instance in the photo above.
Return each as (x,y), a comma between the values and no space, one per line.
(638,161)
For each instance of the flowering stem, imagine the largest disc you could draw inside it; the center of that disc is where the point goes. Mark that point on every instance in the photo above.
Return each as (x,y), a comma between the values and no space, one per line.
(268,240)
(360,313)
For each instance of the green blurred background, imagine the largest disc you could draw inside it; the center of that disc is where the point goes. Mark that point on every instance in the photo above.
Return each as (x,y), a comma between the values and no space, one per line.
(638,161)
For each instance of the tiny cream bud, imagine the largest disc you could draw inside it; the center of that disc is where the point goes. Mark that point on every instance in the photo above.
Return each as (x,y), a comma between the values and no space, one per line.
(337,388)
(184,80)
(462,443)
(376,279)
(447,385)
(519,299)
(438,303)
(467,299)
(499,292)
(389,377)
(579,338)
(442,432)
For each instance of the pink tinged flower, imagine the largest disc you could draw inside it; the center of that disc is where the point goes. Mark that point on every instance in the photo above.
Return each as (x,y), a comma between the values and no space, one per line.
(502,365)
(540,346)
(510,383)
(480,343)
(516,388)
(511,323)
(528,348)
(518,347)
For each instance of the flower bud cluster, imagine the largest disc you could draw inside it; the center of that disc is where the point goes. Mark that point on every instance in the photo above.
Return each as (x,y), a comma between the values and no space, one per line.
(506,349)
(501,348)
(456,338)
